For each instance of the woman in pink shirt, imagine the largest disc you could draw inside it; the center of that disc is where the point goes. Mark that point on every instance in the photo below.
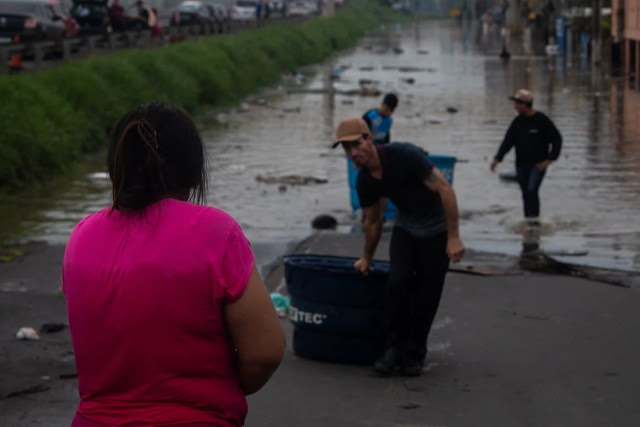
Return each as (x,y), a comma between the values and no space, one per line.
(170,321)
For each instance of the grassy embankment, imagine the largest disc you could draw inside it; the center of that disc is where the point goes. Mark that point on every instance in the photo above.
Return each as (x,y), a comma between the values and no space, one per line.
(52,118)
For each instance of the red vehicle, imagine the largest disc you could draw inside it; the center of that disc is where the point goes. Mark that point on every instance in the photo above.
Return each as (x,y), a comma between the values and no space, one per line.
(32,20)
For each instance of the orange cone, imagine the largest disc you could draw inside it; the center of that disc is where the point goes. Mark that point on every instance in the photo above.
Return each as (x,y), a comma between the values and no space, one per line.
(15,62)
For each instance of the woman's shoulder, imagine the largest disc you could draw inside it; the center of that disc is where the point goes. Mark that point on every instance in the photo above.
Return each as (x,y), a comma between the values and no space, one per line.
(206,217)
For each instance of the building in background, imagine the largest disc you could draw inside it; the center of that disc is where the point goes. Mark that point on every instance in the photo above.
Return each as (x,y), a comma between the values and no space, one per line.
(625,30)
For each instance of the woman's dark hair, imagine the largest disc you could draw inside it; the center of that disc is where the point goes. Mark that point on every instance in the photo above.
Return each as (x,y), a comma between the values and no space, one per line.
(155,152)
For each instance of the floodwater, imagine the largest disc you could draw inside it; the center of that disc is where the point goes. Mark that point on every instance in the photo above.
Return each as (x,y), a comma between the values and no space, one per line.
(590,197)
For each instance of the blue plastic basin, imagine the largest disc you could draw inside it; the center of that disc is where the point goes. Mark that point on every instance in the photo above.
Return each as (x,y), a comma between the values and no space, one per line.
(337,313)
(445,165)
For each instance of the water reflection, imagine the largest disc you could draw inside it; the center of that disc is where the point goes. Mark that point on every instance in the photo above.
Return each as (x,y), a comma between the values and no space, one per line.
(590,197)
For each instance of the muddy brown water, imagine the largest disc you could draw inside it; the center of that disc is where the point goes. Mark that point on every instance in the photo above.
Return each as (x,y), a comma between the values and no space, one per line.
(590,198)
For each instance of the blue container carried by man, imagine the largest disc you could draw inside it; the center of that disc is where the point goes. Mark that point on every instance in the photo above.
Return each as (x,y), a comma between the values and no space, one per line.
(445,165)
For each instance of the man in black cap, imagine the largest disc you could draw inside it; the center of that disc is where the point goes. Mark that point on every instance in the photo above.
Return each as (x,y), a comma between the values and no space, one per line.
(425,238)
(379,119)
(538,143)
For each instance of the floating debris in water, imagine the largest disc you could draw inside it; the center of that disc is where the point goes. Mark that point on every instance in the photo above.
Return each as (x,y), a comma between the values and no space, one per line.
(452,110)
(98,175)
(292,109)
(291,180)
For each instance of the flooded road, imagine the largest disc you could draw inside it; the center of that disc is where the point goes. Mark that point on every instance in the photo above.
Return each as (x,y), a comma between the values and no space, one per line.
(590,198)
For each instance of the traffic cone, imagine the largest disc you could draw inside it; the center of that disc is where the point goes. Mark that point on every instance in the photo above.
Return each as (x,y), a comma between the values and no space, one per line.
(15,61)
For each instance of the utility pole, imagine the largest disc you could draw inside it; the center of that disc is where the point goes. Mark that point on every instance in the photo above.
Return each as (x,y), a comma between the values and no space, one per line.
(596,30)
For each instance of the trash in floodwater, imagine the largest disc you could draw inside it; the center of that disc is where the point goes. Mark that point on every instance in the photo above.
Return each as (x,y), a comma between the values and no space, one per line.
(361,92)
(324,222)
(568,252)
(98,176)
(292,109)
(281,303)
(412,69)
(27,334)
(368,84)
(452,110)
(291,180)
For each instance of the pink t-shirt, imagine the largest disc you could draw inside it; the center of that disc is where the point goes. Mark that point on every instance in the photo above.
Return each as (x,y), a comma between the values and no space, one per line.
(144,298)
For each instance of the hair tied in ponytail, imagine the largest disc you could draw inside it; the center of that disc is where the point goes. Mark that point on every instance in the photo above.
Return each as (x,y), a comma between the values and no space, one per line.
(148,134)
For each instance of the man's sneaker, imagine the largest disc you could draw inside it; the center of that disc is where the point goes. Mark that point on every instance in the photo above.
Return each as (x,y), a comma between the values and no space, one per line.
(411,368)
(388,363)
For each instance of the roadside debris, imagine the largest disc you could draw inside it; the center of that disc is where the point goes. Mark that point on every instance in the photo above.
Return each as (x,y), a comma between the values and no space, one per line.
(281,303)
(27,334)
(31,390)
(9,253)
(324,222)
(69,376)
(52,327)
(541,262)
(291,180)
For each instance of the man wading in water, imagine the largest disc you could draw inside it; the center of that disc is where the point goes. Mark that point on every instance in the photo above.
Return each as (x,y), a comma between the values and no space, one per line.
(537,143)
(424,239)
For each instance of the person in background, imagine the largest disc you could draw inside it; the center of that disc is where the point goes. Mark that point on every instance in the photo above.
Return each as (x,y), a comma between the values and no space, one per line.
(424,239)
(537,143)
(379,119)
(117,16)
(146,18)
(170,321)
(258,12)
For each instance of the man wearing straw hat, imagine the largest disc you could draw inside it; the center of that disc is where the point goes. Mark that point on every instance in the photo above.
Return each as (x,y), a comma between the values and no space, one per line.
(424,239)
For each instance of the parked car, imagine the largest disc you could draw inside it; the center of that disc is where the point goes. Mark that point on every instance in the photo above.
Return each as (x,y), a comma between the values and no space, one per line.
(92,16)
(243,10)
(31,20)
(221,15)
(193,12)
(278,8)
(298,8)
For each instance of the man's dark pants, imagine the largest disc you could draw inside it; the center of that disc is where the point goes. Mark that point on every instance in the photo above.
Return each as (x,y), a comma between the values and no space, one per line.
(530,179)
(416,279)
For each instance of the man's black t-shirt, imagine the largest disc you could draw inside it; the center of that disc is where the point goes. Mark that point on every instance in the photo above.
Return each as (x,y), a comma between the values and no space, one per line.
(404,169)
(536,138)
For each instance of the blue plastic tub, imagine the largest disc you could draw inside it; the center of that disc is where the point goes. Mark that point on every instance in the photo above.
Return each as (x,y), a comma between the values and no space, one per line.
(445,165)
(337,313)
